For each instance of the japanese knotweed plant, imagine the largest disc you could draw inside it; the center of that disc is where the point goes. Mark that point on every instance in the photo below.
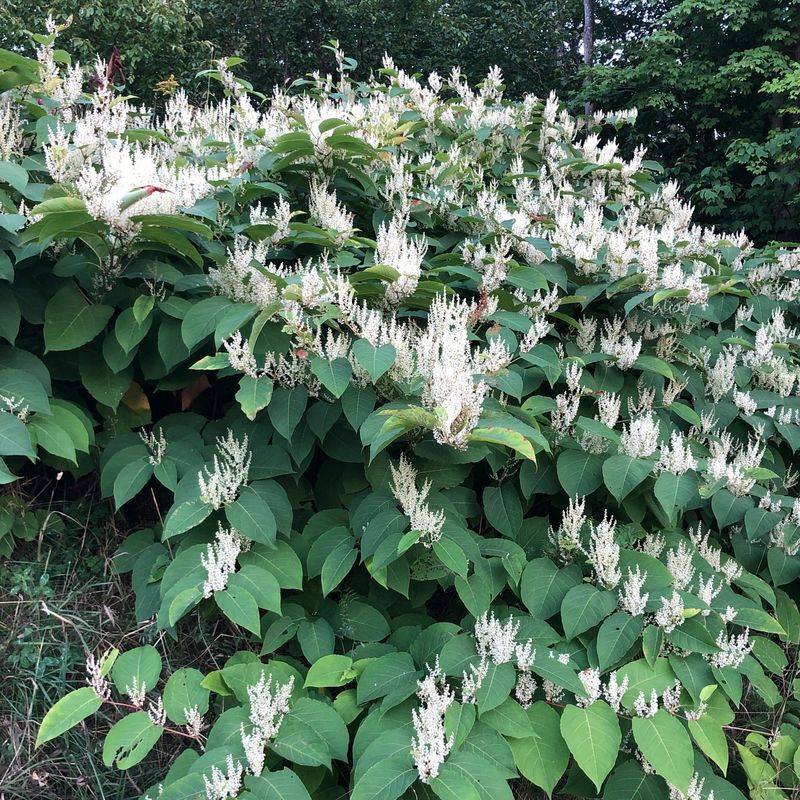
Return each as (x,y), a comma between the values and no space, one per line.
(485,452)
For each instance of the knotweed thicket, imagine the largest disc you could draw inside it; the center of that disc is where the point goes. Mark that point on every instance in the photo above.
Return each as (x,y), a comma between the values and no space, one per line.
(485,451)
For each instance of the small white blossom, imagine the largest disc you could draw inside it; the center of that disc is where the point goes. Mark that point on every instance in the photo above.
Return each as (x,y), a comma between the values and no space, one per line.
(670,615)
(220,485)
(412,500)
(219,560)
(497,640)
(222,785)
(645,708)
(136,692)
(639,439)
(95,677)
(732,649)
(615,690)
(679,563)
(631,598)
(156,712)
(604,552)
(430,745)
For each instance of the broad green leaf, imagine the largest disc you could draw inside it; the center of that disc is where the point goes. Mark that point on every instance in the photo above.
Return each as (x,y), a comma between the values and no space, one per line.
(333,375)
(583,607)
(615,638)
(593,737)
(184,690)
(544,586)
(331,670)
(71,321)
(710,738)
(239,606)
(142,664)
(622,474)
(665,744)
(130,740)
(375,360)
(252,517)
(254,394)
(579,473)
(543,757)
(131,479)
(67,713)
(14,437)
(286,409)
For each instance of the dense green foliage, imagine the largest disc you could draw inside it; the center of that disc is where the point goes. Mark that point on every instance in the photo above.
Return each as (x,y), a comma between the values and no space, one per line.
(478,446)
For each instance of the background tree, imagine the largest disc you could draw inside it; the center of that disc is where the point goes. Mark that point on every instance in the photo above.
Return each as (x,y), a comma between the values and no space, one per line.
(716,83)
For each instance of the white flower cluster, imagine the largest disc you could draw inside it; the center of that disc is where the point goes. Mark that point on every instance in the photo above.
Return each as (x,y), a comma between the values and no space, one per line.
(604,552)
(219,560)
(156,444)
(413,502)
(631,597)
(612,692)
(222,785)
(732,649)
(267,710)
(231,467)
(431,745)
(395,249)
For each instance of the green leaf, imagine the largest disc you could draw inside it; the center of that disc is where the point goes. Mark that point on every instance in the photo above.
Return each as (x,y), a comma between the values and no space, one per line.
(579,473)
(510,719)
(129,330)
(132,478)
(331,670)
(616,637)
(239,606)
(9,315)
(316,638)
(130,740)
(202,318)
(185,516)
(674,492)
(254,394)
(52,437)
(544,586)
(503,508)
(26,388)
(14,175)
(622,474)
(70,321)
(142,664)
(583,607)
(67,713)
(451,555)
(14,437)
(543,757)
(184,690)
(505,437)
(665,743)
(710,738)
(279,785)
(286,409)
(629,782)
(385,675)
(252,517)
(336,566)
(593,737)
(261,583)
(386,780)
(333,375)
(375,360)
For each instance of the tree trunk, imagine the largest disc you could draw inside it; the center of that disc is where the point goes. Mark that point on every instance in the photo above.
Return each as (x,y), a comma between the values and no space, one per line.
(588,41)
